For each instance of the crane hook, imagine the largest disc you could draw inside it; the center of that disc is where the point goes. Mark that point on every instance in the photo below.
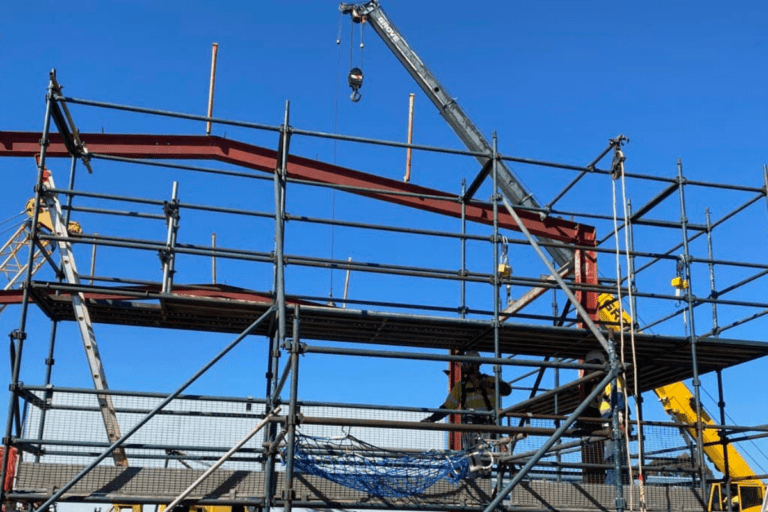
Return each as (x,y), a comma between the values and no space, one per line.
(355,82)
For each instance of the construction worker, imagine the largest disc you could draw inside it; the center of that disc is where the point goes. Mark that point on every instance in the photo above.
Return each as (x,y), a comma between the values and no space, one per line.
(475,391)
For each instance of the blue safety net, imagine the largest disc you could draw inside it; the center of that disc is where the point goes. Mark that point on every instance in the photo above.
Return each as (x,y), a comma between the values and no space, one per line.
(379,472)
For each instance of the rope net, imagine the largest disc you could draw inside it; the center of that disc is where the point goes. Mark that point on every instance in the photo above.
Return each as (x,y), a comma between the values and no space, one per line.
(380,472)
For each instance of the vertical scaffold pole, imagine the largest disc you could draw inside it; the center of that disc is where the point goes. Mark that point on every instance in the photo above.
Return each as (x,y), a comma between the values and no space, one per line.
(50,361)
(496,279)
(716,332)
(292,411)
(278,338)
(168,255)
(496,291)
(556,382)
(617,444)
(724,438)
(765,181)
(523,472)
(712,288)
(151,414)
(692,327)
(454,368)
(18,336)
(463,294)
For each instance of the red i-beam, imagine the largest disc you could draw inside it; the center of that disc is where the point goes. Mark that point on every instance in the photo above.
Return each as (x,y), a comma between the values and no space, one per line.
(194,147)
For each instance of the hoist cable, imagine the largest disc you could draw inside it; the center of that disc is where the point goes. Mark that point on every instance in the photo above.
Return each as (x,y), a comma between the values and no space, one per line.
(362,44)
(351,44)
(632,315)
(335,142)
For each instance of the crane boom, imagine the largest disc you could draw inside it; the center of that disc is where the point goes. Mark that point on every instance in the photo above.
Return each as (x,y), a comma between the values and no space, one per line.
(461,124)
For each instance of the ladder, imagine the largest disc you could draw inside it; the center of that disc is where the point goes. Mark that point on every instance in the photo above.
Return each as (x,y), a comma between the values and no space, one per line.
(83,319)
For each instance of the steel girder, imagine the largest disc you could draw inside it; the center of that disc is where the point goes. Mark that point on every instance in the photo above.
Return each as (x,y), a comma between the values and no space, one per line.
(199,147)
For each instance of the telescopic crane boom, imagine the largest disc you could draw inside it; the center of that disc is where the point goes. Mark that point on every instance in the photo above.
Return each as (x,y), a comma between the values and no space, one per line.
(461,124)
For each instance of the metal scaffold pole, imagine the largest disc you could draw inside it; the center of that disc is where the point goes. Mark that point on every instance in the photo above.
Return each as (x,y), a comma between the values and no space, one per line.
(691,327)
(295,349)
(496,281)
(278,338)
(151,414)
(18,336)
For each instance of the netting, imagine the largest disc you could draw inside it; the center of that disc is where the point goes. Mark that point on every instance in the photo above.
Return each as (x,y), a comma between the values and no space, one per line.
(380,472)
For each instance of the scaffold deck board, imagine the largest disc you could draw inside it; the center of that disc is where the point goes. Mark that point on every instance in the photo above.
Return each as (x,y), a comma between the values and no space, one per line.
(216,308)
(37,481)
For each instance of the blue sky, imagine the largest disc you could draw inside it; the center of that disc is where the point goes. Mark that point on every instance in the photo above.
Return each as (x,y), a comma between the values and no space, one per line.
(554,79)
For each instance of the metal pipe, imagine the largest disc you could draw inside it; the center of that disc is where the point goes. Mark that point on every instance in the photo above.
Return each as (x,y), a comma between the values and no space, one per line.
(168,255)
(49,361)
(725,217)
(550,442)
(278,389)
(309,133)
(165,113)
(152,413)
(278,338)
(692,326)
(292,409)
(222,460)
(310,349)
(214,53)
(556,276)
(712,289)
(496,282)
(724,436)
(93,260)
(143,394)
(589,168)
(616,437)
(553,392)
(18,336)
(71,185)
(736,324)
(765,182)
(463,253)
(213,258)
(408,151)
(346,283)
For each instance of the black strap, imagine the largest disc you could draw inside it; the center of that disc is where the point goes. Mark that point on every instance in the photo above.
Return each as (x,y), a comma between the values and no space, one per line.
(483,392)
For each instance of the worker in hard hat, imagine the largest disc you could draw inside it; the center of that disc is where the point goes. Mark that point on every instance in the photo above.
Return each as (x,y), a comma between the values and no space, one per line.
(475,391)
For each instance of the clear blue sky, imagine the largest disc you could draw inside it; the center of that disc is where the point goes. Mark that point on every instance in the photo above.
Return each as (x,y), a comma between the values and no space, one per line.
(555,79)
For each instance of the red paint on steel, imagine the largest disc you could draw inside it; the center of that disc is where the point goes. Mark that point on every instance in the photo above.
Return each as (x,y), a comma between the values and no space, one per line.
(585,272)
(194,147)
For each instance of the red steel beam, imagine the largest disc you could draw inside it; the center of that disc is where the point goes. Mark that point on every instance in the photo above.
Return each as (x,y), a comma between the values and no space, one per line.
(198,147)
(15,296)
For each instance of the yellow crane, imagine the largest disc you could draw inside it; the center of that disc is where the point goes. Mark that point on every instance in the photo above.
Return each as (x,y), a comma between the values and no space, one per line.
(747,492)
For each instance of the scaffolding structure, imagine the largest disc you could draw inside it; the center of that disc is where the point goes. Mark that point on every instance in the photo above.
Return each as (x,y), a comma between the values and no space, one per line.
(76,444)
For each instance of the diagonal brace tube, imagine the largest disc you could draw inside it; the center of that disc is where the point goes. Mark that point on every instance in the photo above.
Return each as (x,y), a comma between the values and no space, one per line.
(223,459)
(556,276)
(552,440)
(154,411)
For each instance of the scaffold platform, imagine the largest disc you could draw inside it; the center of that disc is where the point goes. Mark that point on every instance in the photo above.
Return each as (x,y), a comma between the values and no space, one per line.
(36,482)
(228,309)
